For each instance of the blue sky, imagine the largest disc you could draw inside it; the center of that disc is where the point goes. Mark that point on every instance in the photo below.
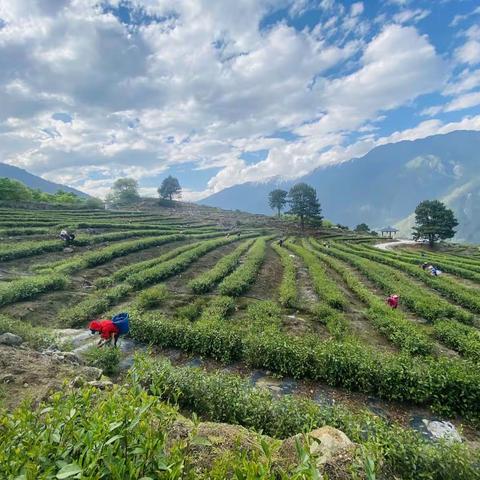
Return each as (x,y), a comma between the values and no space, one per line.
(220,92)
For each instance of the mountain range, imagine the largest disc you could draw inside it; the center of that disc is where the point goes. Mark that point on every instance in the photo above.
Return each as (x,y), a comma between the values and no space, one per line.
(384,186)
(34,181)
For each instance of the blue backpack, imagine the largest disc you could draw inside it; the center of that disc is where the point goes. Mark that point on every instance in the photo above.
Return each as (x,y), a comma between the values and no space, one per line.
(121,320)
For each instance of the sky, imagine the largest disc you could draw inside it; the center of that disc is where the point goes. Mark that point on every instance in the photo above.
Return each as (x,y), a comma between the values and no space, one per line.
(221,92)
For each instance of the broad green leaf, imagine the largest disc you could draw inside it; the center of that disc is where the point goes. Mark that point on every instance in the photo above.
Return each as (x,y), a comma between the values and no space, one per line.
(69,471)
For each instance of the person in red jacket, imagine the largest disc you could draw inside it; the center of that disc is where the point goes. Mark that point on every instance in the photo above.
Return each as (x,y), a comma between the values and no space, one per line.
(108,331)
(392,301)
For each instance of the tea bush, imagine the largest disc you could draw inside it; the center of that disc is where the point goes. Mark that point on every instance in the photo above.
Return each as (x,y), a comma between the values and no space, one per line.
(177,264)
(447,385)
(459,337)
(206,281)
(106,358)
(326,289)
(462,295)
(94,305)
(151,297)
(288,293)
(29,287)
(420,300)
(391,323)
(225,397)
(242,278)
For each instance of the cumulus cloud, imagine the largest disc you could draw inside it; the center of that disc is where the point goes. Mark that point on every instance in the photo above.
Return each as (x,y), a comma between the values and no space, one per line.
(88,95)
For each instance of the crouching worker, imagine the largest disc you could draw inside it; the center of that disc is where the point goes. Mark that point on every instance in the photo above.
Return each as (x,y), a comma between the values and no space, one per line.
(67,237)
(392,301)
(108,331)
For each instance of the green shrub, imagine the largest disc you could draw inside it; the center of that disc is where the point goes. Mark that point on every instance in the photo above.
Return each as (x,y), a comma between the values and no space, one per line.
(462,338)
(191,311)
(206,281)
(151,297)
(175,265)
(288,294)
(326,288)
(106,358)
(243,277)
(29,287)
(462,295)
(449,386)
(420,300)
(391,323)
(225,397)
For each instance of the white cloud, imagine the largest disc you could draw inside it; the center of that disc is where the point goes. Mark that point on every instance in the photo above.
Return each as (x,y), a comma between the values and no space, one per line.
(205,86)
(469,52)
(409,15)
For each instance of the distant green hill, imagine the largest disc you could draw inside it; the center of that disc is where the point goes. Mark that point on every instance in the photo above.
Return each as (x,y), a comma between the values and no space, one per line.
(33,181)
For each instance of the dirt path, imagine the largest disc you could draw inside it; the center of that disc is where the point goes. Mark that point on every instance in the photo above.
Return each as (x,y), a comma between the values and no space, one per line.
(392,245)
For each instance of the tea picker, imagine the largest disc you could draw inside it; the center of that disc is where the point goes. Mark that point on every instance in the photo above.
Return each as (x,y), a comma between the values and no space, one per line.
(110,329)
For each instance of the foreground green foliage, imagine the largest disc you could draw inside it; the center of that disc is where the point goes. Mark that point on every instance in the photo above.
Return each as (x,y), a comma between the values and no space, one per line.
(106,358)
(223,397)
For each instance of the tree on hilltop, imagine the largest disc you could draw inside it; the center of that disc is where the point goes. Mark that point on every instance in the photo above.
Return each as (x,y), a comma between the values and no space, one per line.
(124,192)
(434,221)
(362,228)
(277,199)
(170,188)
(304,203)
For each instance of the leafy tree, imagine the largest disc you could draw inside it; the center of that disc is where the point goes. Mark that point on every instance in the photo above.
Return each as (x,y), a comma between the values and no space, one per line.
(170,188)
(434,221)
(93,202)
(14,190)
(124,192)
(277,199)
(362,228)
(304,203)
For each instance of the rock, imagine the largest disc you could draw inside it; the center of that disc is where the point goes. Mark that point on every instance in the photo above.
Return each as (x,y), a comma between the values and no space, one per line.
(442,430)
(77,382)
(101,384)
(330,447)
(10,339)
(25,385)
(71,357)
(7,378)
(91,373)
(68,250)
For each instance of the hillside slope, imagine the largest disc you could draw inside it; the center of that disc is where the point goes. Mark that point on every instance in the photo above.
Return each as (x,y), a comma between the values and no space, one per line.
(34,181)
(384,186)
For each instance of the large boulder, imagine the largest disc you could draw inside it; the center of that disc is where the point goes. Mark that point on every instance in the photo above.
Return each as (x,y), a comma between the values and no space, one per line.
(10,339)
(330,448)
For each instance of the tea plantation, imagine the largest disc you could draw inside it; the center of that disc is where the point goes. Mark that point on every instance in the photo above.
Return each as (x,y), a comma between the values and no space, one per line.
(229,326)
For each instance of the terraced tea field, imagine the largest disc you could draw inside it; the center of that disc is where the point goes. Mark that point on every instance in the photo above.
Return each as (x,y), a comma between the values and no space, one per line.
(288,338)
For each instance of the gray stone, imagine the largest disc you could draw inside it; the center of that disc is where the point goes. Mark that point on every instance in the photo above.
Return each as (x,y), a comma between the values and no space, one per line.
(7,378)
(101,384)
(442,430)
(91,373)
(326,445)
(71,357)
(77,382)
(68,250)
(10,339)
